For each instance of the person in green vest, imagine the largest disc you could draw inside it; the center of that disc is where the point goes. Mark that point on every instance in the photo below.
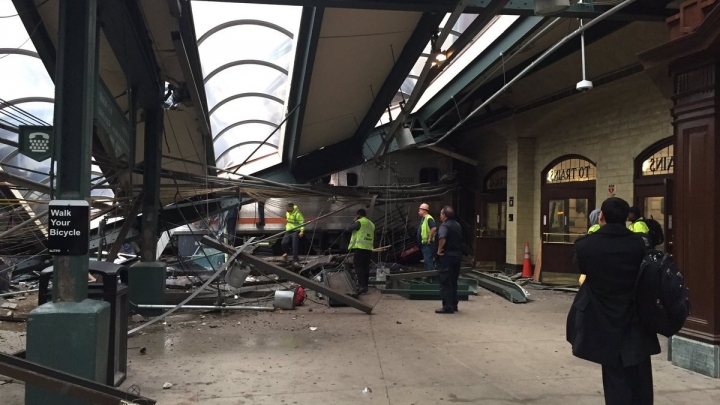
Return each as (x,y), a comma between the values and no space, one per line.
(637,222)
(361,245)
(426,236)
(595,223)
(294,231)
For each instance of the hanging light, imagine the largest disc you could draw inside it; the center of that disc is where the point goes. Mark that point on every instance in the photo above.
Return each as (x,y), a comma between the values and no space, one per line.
(440,56)
(545,8)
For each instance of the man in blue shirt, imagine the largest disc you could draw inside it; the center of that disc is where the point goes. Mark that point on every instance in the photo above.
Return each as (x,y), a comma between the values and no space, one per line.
(449,252)
(426,236)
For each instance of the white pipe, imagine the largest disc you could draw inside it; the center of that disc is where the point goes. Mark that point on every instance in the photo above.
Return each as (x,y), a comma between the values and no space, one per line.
(18,293)
(208,307)
(532,66)
(582,49)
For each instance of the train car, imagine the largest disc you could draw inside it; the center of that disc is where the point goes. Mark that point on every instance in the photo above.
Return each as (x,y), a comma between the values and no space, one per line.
(404,169)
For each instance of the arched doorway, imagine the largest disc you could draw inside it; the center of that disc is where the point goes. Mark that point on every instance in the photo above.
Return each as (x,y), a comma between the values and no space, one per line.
(567,198)
(654,169)
(490,220)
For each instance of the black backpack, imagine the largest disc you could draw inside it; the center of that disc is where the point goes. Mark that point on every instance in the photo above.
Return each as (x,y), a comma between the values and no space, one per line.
(656,233)
(662,300)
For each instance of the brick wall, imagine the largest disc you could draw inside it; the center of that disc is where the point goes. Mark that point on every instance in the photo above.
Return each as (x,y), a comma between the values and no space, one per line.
(610,125)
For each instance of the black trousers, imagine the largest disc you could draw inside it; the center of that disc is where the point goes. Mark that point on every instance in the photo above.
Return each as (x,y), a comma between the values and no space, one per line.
(628,385)
(448,274)
(291,244)
(361,263)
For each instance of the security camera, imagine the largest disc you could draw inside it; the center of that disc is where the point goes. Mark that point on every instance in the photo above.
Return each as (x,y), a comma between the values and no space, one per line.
(584,86)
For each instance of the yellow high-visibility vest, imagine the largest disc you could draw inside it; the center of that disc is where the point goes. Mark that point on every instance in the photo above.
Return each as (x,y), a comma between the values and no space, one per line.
(425,229)
(364,237)
(639,226)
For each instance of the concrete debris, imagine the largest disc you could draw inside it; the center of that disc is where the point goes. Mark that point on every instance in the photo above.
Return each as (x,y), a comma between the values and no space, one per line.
(313,328)
(9,313)
(399,323)
(138,318)
(167,386)
(8,305)
(21,298)
(203,324)
(214,326)
(367,390)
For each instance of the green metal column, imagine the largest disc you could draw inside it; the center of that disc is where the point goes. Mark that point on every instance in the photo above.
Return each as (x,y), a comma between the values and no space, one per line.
(147,278)
(71,333)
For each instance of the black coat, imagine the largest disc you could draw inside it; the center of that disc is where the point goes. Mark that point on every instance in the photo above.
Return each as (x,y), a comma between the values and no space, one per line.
(602,325)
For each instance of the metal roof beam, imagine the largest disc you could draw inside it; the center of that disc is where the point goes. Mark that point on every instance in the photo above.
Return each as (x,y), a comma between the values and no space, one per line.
(591,36)
(308,37)
(518,32)
(125,30)
(399,5)
(191,60)
(349,153)
(580,10)
(30,17)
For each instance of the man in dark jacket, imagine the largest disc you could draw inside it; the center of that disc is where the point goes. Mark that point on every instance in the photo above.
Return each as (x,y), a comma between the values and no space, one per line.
(449,254)
(602,325)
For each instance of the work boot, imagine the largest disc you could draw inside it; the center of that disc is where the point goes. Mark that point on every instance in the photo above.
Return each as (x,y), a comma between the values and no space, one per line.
(456,309)
(362,290)
(443,311)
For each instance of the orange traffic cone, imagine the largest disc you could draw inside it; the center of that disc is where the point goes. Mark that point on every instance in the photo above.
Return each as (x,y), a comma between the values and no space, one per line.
(527,266)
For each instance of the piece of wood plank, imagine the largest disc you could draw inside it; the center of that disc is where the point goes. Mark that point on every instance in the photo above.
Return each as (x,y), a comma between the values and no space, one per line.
(19,318)
(270,268)
(538,265)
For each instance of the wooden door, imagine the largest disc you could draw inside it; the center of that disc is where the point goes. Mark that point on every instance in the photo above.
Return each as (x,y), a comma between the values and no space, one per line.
(490,228)
(655,201)
(565,211)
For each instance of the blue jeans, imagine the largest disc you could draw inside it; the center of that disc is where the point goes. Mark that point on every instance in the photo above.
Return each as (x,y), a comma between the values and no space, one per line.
(291,243)
(428,252)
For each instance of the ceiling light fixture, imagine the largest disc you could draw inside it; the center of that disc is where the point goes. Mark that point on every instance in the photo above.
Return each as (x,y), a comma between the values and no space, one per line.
(440,56)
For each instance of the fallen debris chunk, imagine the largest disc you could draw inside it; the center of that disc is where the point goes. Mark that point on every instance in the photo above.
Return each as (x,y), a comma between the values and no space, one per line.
(313,328)
(167,386)
(8,305)
(213,326)
(367,390)
(138,318)
(399,323)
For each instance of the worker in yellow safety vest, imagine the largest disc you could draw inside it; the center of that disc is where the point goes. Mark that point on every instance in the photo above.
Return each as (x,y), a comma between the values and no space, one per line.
(361,244)
(637,222)
(426,236)
(595,223)
(294,231)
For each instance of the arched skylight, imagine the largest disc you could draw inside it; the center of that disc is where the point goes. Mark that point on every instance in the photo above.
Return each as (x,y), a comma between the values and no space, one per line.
(246,52)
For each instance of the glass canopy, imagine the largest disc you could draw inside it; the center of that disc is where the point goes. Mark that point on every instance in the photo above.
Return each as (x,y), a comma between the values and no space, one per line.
(246,52)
